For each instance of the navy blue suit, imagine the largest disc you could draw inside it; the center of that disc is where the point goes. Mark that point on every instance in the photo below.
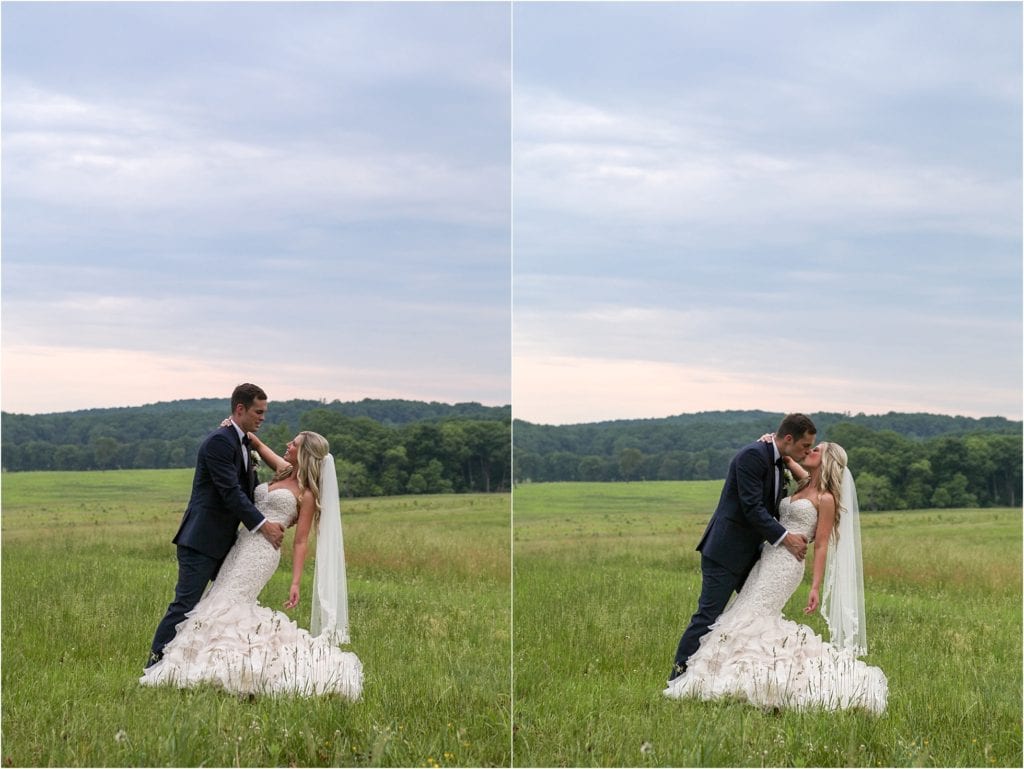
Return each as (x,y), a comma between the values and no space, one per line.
(747,516)
(222,494)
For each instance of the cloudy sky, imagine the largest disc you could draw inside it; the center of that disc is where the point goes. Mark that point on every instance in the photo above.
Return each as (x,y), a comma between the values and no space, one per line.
(313,197)
(778,206)
(781,206)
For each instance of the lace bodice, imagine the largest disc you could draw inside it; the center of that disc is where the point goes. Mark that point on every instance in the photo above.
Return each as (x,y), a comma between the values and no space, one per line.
(253,560)
(799,517)
(777,572)
(279,505)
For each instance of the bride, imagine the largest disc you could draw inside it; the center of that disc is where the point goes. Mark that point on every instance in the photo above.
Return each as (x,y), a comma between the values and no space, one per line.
(229,639)
(752,652)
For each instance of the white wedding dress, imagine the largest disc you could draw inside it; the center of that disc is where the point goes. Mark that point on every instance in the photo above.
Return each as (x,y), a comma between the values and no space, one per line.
(753,653)
(229,639)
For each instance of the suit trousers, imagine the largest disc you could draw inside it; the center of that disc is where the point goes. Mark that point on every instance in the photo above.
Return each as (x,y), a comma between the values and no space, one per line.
(717,586)
(195,571)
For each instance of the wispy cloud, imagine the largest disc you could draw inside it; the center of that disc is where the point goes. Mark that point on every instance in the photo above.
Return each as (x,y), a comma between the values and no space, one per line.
(828,192)
(63,151)
(579,160)
(216,184)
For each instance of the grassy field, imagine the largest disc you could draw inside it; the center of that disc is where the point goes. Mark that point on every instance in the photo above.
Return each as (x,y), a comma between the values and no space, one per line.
(606,578)
(88,570)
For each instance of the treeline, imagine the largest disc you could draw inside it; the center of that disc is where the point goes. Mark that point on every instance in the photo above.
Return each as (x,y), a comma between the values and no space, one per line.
(382,447)
(899,461)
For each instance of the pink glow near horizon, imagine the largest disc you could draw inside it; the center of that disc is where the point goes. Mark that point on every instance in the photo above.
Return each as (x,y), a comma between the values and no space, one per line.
(566,390)
(39,380)
(546,389)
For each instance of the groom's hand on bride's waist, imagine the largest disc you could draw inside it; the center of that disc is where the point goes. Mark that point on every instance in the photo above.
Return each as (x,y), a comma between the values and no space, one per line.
(796,544)
(273,532)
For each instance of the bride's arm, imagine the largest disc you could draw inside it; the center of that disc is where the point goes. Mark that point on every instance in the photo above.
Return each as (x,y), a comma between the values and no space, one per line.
(274,462)
(826,522)
(306,508)
(796,470)
(266,453)
(794,467)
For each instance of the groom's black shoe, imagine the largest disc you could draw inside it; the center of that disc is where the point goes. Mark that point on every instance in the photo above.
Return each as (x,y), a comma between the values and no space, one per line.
(154,657)
(677,670)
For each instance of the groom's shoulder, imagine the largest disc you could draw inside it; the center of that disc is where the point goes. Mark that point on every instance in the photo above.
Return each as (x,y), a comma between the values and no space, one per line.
(224,431)
(753,451)
(220,435)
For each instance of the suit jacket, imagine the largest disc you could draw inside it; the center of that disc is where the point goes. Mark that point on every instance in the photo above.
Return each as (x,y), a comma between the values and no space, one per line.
(747,513)
(222,494)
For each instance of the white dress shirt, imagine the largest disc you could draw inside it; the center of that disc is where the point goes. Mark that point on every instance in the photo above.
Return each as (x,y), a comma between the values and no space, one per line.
(245,460)
(776,456)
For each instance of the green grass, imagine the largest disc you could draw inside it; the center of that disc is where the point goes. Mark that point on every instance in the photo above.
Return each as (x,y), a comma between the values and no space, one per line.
(606,578)
(88,570)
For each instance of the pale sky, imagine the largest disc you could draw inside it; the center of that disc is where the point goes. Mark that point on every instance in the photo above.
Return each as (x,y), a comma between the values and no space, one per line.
(803,206)
(314,197)
(790,207)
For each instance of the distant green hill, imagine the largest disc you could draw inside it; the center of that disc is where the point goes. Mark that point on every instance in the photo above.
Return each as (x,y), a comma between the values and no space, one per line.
(899,460)
(383,446)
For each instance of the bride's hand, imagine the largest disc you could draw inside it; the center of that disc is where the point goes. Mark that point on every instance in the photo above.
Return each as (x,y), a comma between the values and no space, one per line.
(767,438)
(812,602)
(293,598)
(226,422)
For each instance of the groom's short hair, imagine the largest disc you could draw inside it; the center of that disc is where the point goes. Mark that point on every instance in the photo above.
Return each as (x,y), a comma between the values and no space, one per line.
(796,425)
(245,394)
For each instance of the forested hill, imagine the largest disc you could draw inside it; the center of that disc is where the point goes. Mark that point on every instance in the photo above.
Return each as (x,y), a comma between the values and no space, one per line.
(387,412)
(899,460)
(382,446)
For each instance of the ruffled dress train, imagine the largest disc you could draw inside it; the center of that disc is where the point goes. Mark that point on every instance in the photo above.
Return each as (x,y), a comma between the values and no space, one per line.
(232,641)
(753,653)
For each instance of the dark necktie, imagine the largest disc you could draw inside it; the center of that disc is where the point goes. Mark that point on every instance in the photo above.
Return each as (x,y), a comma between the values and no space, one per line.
(780,489)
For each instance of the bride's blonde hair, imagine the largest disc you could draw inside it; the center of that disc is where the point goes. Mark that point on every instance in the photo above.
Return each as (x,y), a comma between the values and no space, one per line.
(309,453)
(830,476)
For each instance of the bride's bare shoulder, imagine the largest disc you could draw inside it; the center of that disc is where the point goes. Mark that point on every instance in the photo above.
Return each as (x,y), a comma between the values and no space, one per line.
(826,501)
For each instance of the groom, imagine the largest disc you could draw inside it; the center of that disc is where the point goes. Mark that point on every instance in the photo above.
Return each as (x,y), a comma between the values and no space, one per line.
(222,494)
(746,517)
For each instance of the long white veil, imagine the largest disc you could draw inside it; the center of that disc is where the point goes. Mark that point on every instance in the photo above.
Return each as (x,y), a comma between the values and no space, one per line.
(330,590)
(842,602)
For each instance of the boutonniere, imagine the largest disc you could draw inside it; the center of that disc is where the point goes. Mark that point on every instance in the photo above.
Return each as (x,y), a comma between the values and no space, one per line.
(254,459)
(787,476)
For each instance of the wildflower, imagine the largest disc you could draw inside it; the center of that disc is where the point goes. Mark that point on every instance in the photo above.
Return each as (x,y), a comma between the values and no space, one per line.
(646,748)
(120,735)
